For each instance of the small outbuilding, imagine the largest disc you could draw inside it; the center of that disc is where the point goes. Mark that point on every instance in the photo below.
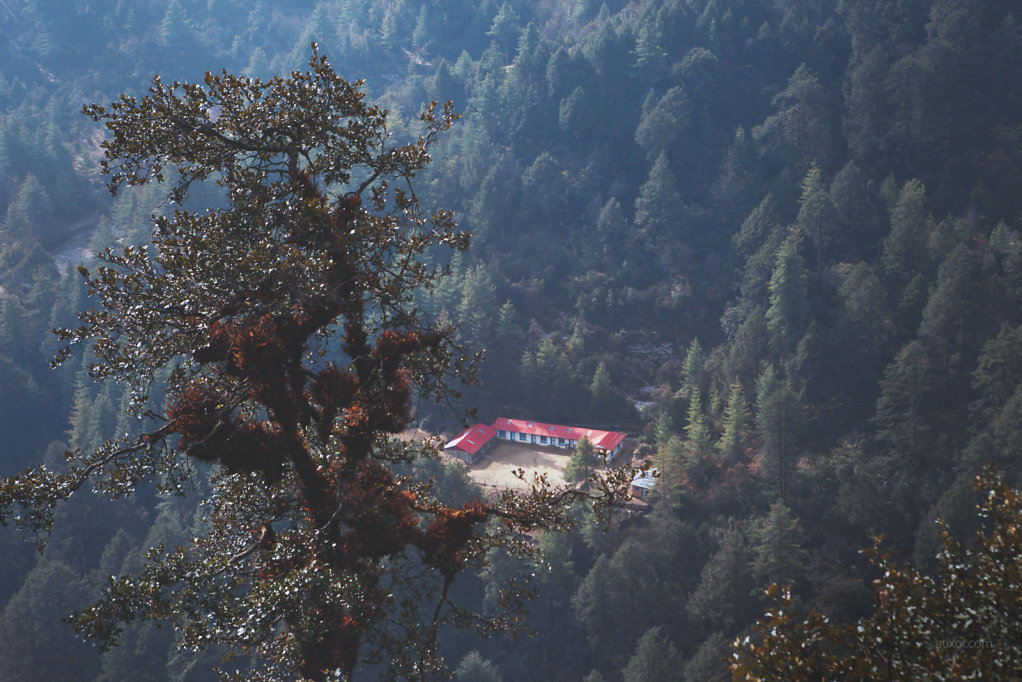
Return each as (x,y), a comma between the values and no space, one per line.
(642,484)
(471,444)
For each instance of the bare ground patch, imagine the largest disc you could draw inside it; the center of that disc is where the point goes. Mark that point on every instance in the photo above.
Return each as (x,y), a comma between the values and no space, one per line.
(494,472)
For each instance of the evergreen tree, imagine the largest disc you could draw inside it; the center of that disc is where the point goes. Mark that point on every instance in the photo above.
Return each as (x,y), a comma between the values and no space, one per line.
(998,372)
(659,206)
(697,435)
(904,247)
(505,29)
(30,215)
(665,124)
(903,410)
(952,324)
(817,219)
(781,418)
(477,306)
(749,348)
(80,418)
(15,330)
(778,554)
(655,659)
(786,316)
(670,462)
(721,597)
(175,31)
(475,668)
(732,443)
(612,232)
(603,394)
(582,463)
(664,429)
(801,128)
(693,371)
(35,643)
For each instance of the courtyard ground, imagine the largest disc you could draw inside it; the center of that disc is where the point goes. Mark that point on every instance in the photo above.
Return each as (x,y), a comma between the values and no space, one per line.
(495,471)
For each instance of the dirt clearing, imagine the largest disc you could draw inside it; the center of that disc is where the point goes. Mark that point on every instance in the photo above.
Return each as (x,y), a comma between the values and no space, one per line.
(494,470)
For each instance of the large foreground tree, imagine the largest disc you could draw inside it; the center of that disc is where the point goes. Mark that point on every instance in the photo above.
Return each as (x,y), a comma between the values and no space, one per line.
(281,329)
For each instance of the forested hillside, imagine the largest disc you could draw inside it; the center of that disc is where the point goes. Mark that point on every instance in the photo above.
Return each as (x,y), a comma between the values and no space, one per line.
(777,240)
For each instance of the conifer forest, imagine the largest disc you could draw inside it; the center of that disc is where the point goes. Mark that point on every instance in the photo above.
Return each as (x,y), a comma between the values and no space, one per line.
(260,260)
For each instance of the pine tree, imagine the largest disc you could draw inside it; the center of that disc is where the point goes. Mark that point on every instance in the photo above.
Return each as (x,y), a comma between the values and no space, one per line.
(665,124)
(475,668)
(601,391)
(781,418)
(659,207)
(477,305)
(669,462)
(721,598)
(664,429)
(749,348)
(998,372)
(655,659)
(786,316)
(175,31)
(732,443)
(30,215)
(505,29)
(817,218)
(693,371)
(697,435)
(904,248)
(778,551)
(582,463)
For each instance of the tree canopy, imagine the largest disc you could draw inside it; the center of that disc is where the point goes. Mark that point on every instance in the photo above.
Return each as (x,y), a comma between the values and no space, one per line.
(281,327)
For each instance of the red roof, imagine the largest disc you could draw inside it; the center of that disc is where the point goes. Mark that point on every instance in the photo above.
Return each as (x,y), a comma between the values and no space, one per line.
(605,440)
(472,438)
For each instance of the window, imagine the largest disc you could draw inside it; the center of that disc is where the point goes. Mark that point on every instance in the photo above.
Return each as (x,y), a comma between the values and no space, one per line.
(502,434)
(560,441)
(542,439)
(521,436)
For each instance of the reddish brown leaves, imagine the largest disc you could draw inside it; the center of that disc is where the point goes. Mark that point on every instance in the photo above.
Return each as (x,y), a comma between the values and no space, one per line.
(447,535)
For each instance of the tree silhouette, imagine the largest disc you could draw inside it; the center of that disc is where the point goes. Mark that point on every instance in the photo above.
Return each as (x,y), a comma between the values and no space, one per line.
(286,325)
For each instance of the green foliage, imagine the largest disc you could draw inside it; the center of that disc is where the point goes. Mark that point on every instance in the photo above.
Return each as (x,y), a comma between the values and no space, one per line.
(693,371)
(963,624)
(658,210)
(475,668)
(697,435)
(801,126)
(786,316)
(721,597)
(998,372)
(782,419)
(778,551)
(285,325)
(732,441)
(670,462)
(582,462)
(474,308)
(897,358)
(655,659)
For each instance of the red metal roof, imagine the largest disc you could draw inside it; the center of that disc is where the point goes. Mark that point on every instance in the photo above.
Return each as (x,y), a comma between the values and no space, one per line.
(472,438)
(604,440)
